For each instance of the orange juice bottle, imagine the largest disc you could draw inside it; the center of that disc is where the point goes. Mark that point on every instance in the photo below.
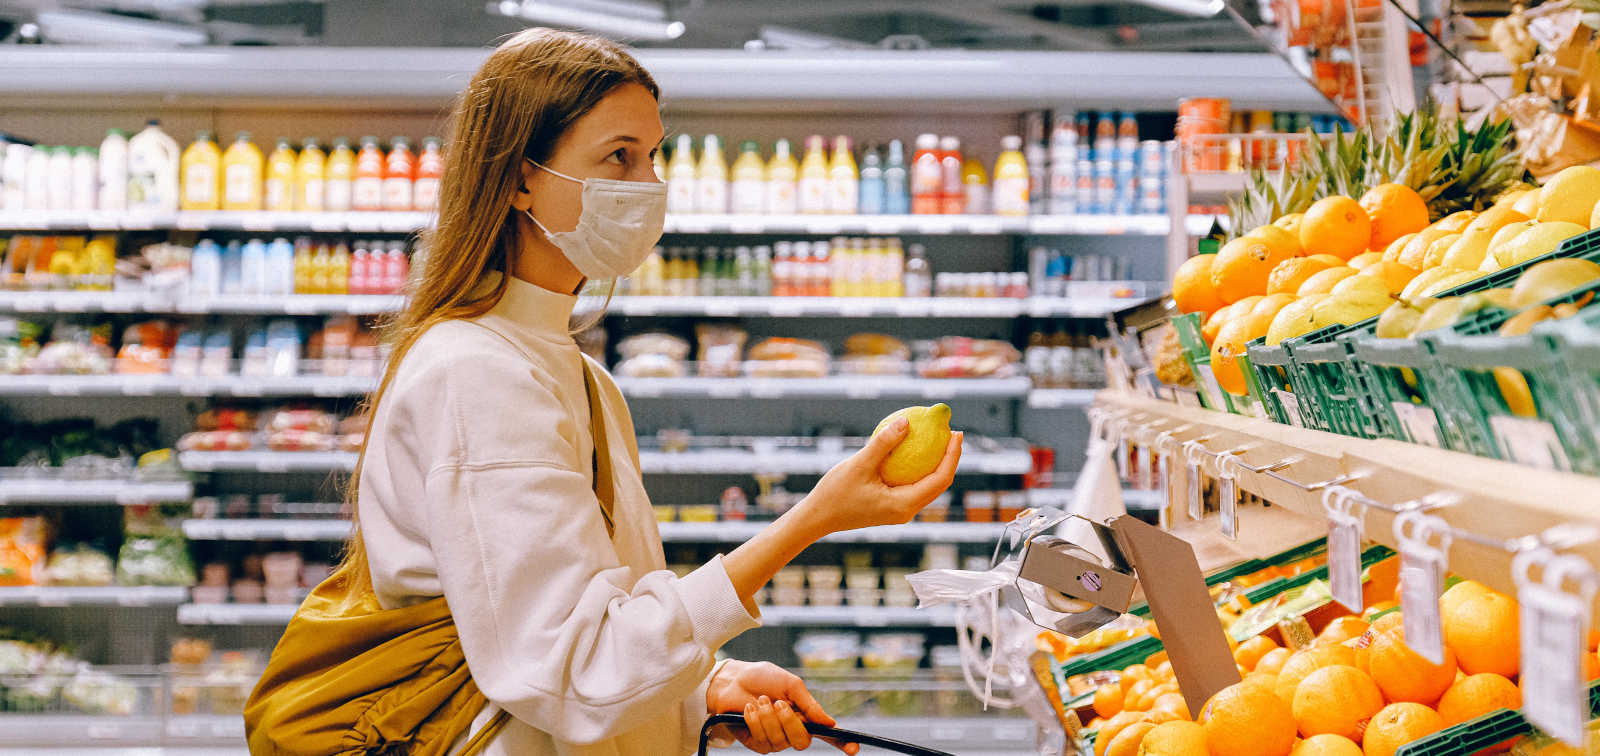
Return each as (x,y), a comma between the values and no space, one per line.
(399,172)
(242,167)
(366,184)
(310,177)
(844,182)
(813,195)
(201,169)
(430,168)
(280,177)
(339,176)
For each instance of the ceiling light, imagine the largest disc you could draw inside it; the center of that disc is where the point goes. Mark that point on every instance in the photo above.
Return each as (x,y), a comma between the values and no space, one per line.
(602,16)
(1197,8)
(89,28)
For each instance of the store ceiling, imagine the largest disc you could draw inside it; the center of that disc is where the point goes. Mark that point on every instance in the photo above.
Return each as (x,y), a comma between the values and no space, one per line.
(1082,25)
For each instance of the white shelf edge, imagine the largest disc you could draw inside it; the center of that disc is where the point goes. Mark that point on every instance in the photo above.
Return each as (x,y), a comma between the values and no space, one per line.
(1047,398)
(59,491)
(847,387)
(236,614)
(266,461)
(856,616)
(810,463)
(319,529)
(112,595)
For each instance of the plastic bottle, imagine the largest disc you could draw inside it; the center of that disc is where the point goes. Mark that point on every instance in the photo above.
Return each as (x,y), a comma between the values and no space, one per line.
(360,269)
(1011,179)
(280,267)
(691,274)
(844,182)
(396,266)
(975,186)
(201,166)
(1036,359)
(14,176)
(952,197)
(253,268)
(917,280)
(820,274)
(36,180)
(302,266)
(114,171)
(339,177)
(205,269)
(339,270)
(366,183)
(60,178)
(84,167)
(896,259)
(761,270)
(711,178)
(152,170)
(232,269)
(710,263)
(242,168)
(430,169)
(927,180)
(680,177)
(896,194)
(783,176)
(1128,136)
(1061,358)
(814,177)
(748,191)
(321,256)
(1105,135)
(781,257)
(399,173)
(310,178)
(280,177)
(873,199)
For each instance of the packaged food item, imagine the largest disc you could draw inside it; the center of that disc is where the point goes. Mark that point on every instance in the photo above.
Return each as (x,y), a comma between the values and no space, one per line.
(720,349)
(353,432)
(147,347)
(781,357)
(22,550)
(79,565)
(828,652)
(75,349)
(155,560)
(19,343)
(875,354)
(962,357)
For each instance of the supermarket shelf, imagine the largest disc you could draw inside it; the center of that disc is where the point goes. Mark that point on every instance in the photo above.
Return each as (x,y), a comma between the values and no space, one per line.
(169,385)
(266,530)
(266,461)
(841,307)
(203,727)
(832,387)
(79,734)
(1215,186)
(1059,398)
(60,491)
(166,302)
(856,616)
(111,595)
(236,614)
(914,532)
(741,462)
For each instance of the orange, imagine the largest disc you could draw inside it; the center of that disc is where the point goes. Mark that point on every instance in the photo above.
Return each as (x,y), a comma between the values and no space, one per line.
(1278,236)
(1398,724)
(1126,743)
(1271,304)
(1482,627)
(1477,695)
(1342,629)
(1396,210)
(1221,317)
(1322,282)
(1336,225)
(1251,651)
(1247,720)
(1393,274)
(1326,745)
(1272,662)
(1338,700)
(1161,716)
(1388,622)
(1243,265)
(1289,274)
(1301,665)
(1230,344)
(1108,700)
(1136,693)
(1327,258)
(1173,702)
(1392,252)
(1108,731)
(1404,675)
(1290,223)
(1415,252)
(1191,286)
(1174,739)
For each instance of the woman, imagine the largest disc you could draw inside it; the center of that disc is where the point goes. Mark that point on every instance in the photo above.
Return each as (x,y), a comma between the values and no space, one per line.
(482,480)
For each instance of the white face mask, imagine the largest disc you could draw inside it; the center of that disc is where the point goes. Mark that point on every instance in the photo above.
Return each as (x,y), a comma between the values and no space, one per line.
(619,225)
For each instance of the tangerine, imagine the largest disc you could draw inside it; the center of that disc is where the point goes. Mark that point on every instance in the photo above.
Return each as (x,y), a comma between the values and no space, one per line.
(1108,699)
(1250,652)
(1301,665)
(1230,345)
(1248,720)
(1272,662)
(1403,674)
(1342,629)
(1108,731)
(1482,628)
(1476,695)
(1337,225)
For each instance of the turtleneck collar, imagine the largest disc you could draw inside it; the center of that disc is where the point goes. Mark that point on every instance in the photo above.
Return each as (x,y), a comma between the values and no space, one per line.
(532,311)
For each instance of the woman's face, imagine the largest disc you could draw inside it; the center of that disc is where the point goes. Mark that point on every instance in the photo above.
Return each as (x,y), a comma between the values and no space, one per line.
(616,139)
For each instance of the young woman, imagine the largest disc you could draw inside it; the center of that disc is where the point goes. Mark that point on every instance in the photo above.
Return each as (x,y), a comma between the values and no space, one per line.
(483,481)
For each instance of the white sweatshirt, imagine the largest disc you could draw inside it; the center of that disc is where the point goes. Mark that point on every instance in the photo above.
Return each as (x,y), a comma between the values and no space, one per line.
(478,486)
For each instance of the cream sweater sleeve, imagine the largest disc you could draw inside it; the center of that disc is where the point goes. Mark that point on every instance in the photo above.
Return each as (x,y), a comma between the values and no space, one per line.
(554,628)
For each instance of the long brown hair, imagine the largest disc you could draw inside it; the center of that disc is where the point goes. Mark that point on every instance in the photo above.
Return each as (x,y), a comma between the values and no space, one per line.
(519,103)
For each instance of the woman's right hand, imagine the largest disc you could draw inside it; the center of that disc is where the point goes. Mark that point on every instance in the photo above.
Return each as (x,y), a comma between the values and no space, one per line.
(853,495)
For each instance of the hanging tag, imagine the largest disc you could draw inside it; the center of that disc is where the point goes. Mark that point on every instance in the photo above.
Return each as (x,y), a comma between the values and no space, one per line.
(1147,468)
(1191,480)
(1422,572)
(1297,633)
(1555,630)
(1122,461)
(1344,546)
(1228,497)
(1163,476)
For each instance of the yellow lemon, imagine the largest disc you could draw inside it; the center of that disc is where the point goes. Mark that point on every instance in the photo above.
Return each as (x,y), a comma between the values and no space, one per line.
(1468,251)
(1570,195)
(1436,251)
(1541,239)
(1323,281)
(923,448)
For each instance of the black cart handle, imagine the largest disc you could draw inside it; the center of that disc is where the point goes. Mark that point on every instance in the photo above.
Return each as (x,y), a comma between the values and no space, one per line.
(822,731)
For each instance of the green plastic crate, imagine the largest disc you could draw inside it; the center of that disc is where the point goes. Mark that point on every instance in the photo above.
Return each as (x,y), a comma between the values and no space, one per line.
(1323,367)
(1578,343)
(1475,735)
(1267,373)
(1198,357)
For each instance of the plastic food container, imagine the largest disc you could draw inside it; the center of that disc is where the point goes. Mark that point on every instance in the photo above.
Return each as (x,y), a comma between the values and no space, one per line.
(951,699)
(826,597)
(209,594)
(698,513)
(894,579)
(861,579)
(666,513)
(864,596)
(788,596)
(899,598)
(893,658)
(824,576)
(790,577)
(857,559)
(941,556)
(248,591)
(283,595)
(828,652)
(282,569)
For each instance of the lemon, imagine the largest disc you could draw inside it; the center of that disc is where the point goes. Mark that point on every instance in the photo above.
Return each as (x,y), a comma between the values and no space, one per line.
(1450,282)
(1490,221)
(1456,221)
(1539,240)
(1426,279)
(1570,195)
(1504,236)
(1401,318)
(1527,203)
(1468,251)
(1323,281)
(1370,286)
(1361,261)
(1436,251)
(923,448)
(1294,319)
(1353,306)
(1552,278)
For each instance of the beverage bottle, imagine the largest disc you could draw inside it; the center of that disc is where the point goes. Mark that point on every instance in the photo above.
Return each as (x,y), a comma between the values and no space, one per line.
(114,172)
(748,191)
(927,178)
(896,194)
(1084,195)
(680,177)
(310,178)
(340,177)
(253,268)
(1011,179)
(339,270)
(152,170)
(1035,156)
(60,191)
(651,275)
(783,176)
(84,188)
(918,276)
(838,262)
(781,265)
(430,169)
(744,273)
(711,178)
(280,177)
(201,167)
(395,269)
(1128,136)
(302,266)
(844,183)
(320,259)
(761,270)
(858,273)
(821,270)
(1105,136)
(1105,186)
(975,186)
(895,258)
(1062,356)
(280,267)
(232,269)
(399,172)
(814,177)
(1036,359)
(14,176)
(709,264)
(669,272)
(872,187)
(659,162)
(1063,159)
(360,269)
(691,274)
(205,269)
(366,183)
(242,168)
(36,180)
(952,198)
(800,270)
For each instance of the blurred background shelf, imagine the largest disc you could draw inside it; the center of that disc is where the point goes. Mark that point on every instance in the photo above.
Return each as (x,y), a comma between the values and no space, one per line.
(22,490)
(112,595)
(831,387)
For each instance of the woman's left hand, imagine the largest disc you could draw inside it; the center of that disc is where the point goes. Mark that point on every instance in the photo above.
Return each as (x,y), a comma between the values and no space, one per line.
(775,705)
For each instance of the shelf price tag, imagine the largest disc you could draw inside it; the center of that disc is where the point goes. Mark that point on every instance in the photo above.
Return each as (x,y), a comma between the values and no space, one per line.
(1193,456)
(1209,386)
(1291,406)
(1422,573)
(1555,631)
(1419,423)
(1345,521)
(1163,475)
(1228,497)
(1531,442)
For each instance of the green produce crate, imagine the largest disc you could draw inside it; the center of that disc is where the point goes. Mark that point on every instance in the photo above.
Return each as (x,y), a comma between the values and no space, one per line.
(1323,365)
(1266,370)
(1578,343)
(1248,566)
(1198,357)
(1483,732)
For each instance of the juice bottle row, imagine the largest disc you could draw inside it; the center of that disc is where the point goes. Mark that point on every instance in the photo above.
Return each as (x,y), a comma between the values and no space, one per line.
(1063,357)
(304,267)
(858,267)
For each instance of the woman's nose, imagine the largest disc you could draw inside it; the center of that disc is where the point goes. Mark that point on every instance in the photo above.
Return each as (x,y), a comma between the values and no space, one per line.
(645,172)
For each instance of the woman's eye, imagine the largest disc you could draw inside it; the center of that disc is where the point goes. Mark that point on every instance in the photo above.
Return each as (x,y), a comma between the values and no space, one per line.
(619,157)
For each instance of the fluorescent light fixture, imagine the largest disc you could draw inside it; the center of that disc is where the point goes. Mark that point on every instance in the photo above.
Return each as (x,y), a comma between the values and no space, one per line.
(611,17)
(89,28)
(1196,8)
(773,37)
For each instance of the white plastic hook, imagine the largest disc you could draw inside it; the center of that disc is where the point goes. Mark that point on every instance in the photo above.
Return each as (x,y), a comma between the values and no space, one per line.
(1345,524)
(1422,573)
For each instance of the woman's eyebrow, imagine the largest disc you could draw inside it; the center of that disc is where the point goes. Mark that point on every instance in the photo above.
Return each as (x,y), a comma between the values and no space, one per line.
(628,139)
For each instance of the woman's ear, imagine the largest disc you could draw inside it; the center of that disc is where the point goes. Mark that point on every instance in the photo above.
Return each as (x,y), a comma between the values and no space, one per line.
(523,199)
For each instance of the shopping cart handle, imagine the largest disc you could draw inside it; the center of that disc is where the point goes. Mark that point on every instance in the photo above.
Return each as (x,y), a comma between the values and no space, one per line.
(822,731)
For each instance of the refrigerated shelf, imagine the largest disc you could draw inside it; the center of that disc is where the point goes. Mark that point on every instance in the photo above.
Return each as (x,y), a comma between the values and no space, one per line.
(111,595)
(22,490)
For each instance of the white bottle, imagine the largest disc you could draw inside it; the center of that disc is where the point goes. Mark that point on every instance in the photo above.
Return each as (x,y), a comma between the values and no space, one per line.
(13,176)
(711,179)
(36,182)
(60,185)
(253,267)
(85,166)
(152,171)
(280,267)
(114,172)
(680,177)
(205,269)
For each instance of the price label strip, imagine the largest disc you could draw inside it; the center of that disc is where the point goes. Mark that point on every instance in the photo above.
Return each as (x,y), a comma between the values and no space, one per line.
(1346,516)
(1555,631)
(1531,442)
(1422,574)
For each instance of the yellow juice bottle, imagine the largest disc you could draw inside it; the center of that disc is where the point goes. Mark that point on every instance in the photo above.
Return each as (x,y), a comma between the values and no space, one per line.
(747,194)
(339,176)
(783,173)
(201,170)
(844,181)
(814,178)
(242,168)
(310,176)
(1010,195)
(680,177)
(281,166)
